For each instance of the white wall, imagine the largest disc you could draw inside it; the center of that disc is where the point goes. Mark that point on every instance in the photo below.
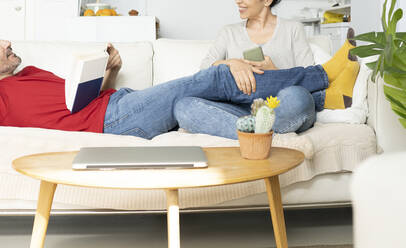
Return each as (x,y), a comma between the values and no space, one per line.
(193,19)
(367,17)
(294,9)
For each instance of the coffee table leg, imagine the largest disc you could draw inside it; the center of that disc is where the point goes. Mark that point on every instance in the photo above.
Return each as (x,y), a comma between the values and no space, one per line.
(173,218)
(46,196)
(275,204)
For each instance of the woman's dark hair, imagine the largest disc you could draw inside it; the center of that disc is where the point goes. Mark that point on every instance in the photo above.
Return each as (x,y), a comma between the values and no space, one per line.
(275,2)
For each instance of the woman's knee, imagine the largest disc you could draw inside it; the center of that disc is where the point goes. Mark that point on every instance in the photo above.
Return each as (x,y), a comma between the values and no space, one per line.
(295,100)
(296,112)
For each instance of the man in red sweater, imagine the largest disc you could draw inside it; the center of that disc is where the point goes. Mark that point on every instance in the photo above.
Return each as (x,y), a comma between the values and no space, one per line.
(36,98)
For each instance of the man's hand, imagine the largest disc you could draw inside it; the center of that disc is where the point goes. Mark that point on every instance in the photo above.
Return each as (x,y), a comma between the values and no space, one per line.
(114,63)
(243,74)
(113,67)
(264,65)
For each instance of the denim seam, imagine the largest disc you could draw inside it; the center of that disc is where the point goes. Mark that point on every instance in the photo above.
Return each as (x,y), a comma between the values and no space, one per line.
(324,75)
(289,126)
(137,130)
(111,124)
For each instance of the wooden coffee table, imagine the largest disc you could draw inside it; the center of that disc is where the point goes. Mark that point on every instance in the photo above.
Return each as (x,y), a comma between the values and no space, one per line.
(225,167)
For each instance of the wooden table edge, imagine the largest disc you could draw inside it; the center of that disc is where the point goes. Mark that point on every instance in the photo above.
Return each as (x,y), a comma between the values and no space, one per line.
(158,188)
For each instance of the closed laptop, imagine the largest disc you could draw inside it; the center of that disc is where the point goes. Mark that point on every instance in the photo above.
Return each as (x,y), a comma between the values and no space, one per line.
(139,157)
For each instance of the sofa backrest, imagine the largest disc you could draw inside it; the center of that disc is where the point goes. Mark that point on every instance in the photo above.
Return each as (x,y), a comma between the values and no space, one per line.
(136,72)
(178,58)
(144,63)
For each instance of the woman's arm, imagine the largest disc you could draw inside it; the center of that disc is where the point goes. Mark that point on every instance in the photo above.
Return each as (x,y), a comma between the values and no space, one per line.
(243,73)
(218,51)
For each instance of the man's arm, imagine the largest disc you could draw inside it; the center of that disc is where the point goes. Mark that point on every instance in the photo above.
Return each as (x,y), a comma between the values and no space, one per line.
(113,67)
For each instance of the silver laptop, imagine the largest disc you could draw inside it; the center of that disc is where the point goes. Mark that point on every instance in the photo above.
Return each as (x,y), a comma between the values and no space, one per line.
(93,158)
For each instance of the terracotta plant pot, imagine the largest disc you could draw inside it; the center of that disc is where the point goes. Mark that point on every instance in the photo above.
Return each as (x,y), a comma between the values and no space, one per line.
(255,146)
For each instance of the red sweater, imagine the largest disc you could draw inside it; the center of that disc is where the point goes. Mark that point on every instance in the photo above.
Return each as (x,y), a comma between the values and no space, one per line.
(36,98)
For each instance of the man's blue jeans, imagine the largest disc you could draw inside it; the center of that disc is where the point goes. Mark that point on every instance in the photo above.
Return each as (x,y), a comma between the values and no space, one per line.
(150,112)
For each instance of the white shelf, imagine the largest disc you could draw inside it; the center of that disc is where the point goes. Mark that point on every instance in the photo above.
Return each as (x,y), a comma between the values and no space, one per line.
(309,20)
(336,25)
(344,9)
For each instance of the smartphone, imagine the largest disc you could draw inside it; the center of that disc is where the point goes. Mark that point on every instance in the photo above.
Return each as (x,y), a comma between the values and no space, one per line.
(255,54)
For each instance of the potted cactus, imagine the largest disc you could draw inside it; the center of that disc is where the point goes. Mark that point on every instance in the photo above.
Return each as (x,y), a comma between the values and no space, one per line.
(255,130)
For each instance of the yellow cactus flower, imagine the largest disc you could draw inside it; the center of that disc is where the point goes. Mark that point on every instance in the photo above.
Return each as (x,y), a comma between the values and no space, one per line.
(272,102)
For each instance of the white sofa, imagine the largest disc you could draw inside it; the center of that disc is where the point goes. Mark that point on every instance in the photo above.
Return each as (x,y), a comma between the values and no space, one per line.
(332,150)
(377,190)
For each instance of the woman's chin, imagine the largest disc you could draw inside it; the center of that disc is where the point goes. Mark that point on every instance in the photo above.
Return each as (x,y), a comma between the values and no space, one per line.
(242,16)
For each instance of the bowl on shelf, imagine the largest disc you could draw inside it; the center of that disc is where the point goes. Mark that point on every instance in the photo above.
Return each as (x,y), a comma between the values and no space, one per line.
(99,9)
(97,6)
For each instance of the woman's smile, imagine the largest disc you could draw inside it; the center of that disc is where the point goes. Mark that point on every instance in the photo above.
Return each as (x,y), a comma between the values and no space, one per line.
(242,9)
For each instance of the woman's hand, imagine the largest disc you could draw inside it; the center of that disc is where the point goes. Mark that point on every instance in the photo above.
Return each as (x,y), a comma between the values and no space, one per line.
(264,65)
(243,74)
(114,63)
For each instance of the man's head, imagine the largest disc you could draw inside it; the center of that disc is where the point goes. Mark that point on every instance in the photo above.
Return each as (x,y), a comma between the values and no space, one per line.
(8,60)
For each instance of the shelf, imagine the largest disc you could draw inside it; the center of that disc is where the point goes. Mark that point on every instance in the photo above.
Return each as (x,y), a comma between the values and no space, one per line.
(336,25)
(344,9)
(310,20)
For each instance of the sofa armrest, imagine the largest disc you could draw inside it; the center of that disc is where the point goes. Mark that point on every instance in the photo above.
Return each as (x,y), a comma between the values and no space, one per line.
(390,133)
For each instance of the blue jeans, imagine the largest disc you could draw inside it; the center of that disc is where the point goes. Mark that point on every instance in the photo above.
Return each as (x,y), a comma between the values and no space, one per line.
(295,114)
(150,112)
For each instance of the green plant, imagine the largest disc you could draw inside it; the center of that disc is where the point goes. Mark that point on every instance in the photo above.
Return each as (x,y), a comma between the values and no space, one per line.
(390,47)
(259,102)
(264,120)
(246,124)
(262,116)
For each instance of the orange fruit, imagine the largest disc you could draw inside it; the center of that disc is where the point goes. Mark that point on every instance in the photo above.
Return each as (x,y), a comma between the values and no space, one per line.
(89,12)
(113,12)
(105,12)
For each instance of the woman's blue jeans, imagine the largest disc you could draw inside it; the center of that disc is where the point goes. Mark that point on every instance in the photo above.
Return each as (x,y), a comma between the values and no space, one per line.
(297,113)
(150,112)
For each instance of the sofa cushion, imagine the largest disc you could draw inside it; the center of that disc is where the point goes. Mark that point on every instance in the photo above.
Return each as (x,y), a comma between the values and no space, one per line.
(136,72)
(171,55)
(329,148)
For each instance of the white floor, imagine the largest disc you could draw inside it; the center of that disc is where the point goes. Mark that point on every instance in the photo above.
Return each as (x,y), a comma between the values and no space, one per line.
(198,230)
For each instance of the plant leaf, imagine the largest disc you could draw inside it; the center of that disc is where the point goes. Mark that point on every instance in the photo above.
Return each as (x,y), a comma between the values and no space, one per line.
(392,7)
(389,50)
(366,51)
(396,96)
(377,67)
(399,58)
(372,65)
(392,80)
(372,37)
(403,122)
(384,24)
(395,19)
(394,70)
(401,35)
(399,111)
